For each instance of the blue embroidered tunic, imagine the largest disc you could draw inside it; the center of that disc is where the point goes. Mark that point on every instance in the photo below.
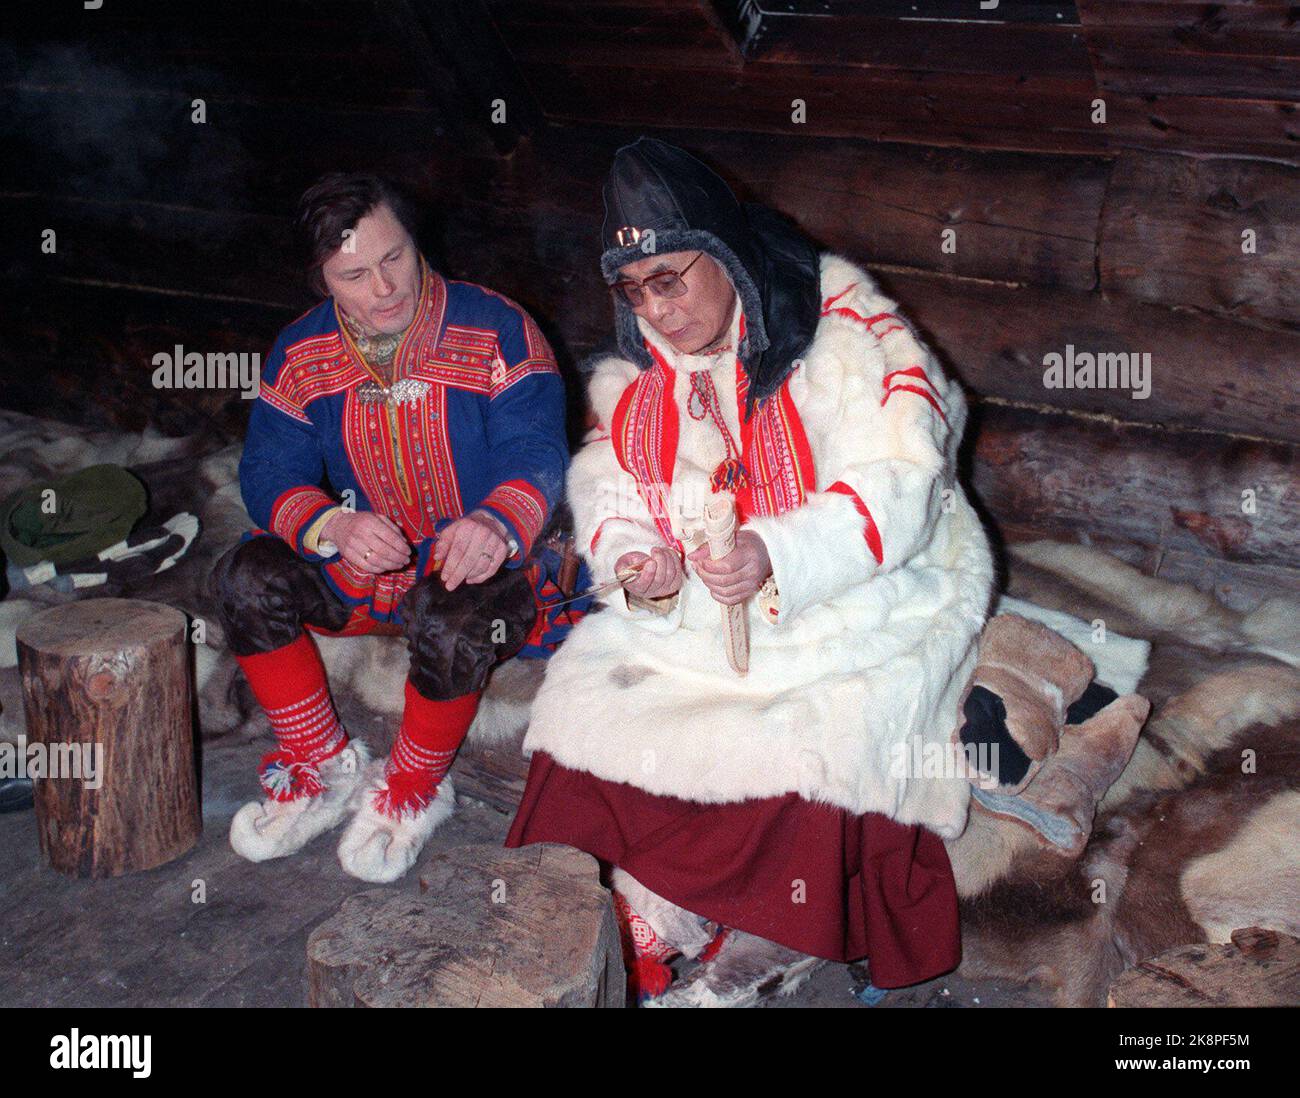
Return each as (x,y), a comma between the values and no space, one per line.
(487,431)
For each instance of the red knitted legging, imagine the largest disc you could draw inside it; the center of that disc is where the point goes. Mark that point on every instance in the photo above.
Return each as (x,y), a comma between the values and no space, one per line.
(290,685)
(426,744)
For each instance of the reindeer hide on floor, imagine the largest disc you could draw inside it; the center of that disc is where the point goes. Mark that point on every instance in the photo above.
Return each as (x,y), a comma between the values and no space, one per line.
(1200,835)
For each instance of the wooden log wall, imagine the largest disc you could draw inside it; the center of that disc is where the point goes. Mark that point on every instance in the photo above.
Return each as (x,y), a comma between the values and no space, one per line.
(176,231)
(1117,236)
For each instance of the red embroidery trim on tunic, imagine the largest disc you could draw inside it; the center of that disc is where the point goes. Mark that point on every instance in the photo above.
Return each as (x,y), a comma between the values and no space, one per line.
(281,403)
(871,533)
(525,506)
(316,367)
(644,433)
(774,446)
(293,508)
(776,451)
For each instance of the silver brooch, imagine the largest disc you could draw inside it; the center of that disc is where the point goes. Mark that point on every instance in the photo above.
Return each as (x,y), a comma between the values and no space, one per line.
(406,391)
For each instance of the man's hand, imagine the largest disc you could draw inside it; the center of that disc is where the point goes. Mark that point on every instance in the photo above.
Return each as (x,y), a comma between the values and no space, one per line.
(368,541)
(471,549)
(661,572)
(737,576)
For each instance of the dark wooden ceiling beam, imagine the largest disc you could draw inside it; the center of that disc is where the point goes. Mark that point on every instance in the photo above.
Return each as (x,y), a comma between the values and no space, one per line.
(1175,75)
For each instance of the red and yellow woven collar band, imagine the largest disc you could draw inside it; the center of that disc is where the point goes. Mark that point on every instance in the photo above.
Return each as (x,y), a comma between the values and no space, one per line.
(774,446)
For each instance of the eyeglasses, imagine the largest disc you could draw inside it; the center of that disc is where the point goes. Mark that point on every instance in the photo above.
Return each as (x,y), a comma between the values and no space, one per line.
(661,283)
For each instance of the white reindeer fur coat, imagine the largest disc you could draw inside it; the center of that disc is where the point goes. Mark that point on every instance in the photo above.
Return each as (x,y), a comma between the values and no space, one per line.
(863,657)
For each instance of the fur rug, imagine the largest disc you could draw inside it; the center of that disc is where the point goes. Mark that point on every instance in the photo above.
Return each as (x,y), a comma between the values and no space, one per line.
(1200,835)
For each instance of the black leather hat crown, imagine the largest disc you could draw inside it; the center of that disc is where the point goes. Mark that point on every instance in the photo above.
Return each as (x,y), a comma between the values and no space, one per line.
(658,199)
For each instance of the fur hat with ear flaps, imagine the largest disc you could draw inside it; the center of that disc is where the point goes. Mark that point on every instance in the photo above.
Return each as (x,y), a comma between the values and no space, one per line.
(657,187)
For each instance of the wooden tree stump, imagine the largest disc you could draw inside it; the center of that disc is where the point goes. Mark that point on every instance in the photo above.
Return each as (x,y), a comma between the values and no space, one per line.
(112,677)
(490,927)
(1259,968)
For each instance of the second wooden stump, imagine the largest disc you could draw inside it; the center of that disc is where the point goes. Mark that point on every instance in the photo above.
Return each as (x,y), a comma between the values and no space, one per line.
(490,927)
(1259,968)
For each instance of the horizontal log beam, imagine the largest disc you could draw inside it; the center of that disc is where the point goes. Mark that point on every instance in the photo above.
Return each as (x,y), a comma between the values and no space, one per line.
(1189,30)
(213,253)
(1133,68)
(1173,232)
(987,111)
(1206,373)
(1264,128)
(1137,484)
(1236,584)
(930,45)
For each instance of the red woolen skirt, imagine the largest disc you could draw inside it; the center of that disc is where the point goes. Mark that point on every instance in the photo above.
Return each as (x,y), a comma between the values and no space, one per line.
(810,876)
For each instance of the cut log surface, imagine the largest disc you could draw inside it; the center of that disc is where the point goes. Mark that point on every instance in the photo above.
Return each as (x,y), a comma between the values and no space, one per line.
(112,678)
(1259,968)
(489,927)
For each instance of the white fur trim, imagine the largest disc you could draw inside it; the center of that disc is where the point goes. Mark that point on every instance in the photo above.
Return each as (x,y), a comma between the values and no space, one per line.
(379,849)
(609,377)
(817,551)
(262,830)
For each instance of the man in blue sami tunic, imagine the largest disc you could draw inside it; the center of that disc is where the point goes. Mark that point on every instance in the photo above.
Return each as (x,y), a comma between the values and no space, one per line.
(433,414)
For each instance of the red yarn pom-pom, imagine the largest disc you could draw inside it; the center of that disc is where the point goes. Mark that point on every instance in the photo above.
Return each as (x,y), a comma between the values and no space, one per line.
(648,978)
(404,794)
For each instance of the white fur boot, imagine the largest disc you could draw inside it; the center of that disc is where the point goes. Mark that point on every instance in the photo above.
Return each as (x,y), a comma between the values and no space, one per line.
(744,971)
(379,848)
(271,829)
